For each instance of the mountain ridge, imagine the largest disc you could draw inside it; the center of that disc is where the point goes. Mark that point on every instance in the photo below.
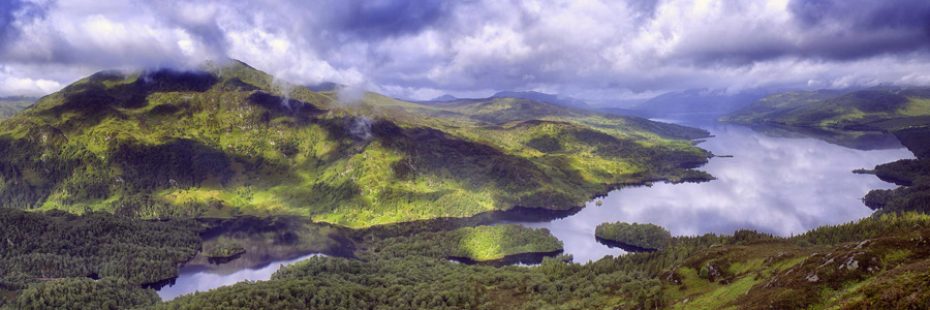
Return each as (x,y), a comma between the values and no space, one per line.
(228,139)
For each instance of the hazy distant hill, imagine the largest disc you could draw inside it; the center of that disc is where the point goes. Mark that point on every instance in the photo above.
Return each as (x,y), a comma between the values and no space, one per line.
(446,97)
(224,140)
(543,97)
(528,95)
(696,102)
(12,105)
(874,108)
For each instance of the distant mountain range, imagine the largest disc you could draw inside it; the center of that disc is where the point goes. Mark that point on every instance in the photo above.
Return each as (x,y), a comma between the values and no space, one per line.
(696,103)
(528,95)
(856,118)
(862,108)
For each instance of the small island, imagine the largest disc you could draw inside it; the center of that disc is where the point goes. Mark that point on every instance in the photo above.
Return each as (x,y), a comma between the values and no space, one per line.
(224,252)
(864,171)
(633,237)
(501,244)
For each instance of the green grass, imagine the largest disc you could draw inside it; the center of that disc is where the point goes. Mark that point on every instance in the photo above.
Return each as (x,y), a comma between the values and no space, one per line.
(719,297)
(916,107)
(488,243)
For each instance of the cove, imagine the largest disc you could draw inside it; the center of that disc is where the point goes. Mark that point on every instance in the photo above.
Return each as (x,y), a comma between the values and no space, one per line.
(195,279)
(269,244)
(780,184)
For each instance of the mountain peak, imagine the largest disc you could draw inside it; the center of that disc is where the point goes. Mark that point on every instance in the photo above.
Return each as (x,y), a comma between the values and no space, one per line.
(445,97)
(543,97)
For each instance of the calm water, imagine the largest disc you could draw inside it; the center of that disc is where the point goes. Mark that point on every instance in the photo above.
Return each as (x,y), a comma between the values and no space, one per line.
(777,185)
(190,280)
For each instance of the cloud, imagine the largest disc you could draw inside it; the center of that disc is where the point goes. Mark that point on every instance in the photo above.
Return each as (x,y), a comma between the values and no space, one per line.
(15,83)
(598,48)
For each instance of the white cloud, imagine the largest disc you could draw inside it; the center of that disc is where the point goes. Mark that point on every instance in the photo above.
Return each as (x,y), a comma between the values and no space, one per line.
(597,48)
(13,83)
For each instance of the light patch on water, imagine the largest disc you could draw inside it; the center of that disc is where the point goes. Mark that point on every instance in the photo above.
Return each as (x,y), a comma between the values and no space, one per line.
(778,185)
(201,281)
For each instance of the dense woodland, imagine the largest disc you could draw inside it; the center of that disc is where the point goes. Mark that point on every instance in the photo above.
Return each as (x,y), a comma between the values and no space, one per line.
(57,245)
(913,175)
(689,268)
(643,236)
(84,293)
(44,252)
(405,271)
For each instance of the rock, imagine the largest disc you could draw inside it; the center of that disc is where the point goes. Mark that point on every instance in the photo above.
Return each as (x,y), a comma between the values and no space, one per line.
(813,278)
(851,264)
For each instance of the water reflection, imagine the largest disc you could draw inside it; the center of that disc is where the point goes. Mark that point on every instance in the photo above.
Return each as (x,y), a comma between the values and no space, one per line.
(200,280)
(781,185)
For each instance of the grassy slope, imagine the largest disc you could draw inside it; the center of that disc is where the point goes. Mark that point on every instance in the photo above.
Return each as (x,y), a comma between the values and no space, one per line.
(477,244)
(228,141)
(9,106)
(875,263)
(875,109)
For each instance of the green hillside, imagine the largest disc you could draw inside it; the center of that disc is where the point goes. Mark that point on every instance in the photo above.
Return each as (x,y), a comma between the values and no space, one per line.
(875,108)
(12,105)
(227,140)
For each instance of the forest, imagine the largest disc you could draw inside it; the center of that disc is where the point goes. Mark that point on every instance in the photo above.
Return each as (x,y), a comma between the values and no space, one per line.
(709,271)
(44,253)
(644,236)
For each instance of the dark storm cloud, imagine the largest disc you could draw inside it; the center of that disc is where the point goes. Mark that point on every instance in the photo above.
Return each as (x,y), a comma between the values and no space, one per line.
(386,18)
(10,11)
(865,15)
(862,28)
(6,17)
(822,30)
(645,7)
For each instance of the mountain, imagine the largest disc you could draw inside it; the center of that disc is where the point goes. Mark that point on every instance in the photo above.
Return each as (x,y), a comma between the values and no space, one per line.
(446,97)
(858,118)
(224,139)
(543,97)
(12,105)
(878,108)
(696,103)
(534,96)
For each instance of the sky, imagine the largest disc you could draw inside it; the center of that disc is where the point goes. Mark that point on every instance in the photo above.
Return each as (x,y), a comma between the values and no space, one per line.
(595,50)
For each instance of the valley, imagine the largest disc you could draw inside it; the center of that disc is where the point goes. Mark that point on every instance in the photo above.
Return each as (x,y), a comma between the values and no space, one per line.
(253,188)
(397,154)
